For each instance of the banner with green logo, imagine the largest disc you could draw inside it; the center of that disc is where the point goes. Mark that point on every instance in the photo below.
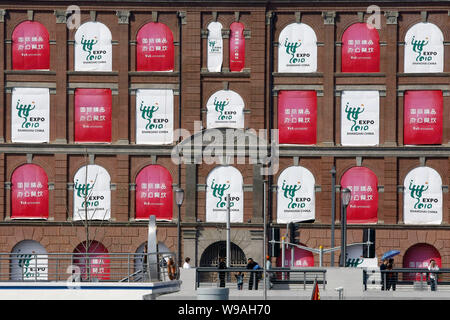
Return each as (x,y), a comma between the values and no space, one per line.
(29,261)
(225,110)
(214,47)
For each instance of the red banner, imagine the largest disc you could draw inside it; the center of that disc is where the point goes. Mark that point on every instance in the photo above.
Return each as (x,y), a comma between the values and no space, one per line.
(423,117)
(93,115)
(297,117)
(30,47)
(302,258)
(419,256)
(29,194)
(363,184)
(96,264)
(155,50)
(237,47)
(154,193)
(360,49)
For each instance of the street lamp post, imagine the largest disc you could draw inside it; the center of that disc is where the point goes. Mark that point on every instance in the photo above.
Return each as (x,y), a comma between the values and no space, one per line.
(179,197)
(345,199)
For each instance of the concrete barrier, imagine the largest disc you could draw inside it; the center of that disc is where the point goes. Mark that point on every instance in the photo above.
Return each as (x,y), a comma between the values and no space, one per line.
(213,293)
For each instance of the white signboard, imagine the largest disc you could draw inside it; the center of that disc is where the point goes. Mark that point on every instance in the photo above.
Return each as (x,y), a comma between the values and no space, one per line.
(360,118)
(30,115)
(29,261)
(422,197)
(296,196)
(154,116)
(297,49)
(355,258)
(225,109)
(424,49)
(215,47)
(92,194)
(222,181)
(93,49)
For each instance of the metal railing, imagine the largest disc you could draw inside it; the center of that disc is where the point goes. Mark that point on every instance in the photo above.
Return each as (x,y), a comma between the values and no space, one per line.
(88,267)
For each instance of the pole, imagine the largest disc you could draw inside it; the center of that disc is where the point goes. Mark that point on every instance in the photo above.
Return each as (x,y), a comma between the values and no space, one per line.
(228,230)
(344,252)
(292,256)
(342,259)
(320,256)
(179,237)
(264,242)
(282,256)
(333,210)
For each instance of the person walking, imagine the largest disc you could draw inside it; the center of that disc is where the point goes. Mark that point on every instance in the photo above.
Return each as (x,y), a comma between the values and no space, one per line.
(268,273)
(383,267)
(222,265)
(250,266)
(186,264)
(239,280)
(391,276)
(433,276)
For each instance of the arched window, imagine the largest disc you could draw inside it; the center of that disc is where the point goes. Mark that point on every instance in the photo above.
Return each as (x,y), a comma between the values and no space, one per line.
(154,194)
(210,257)
(30,47)
(93,261)
(363,184)
(29,261)
(154,48)
(225,109)
(419,256)
(302,258)
(29,194)
(215,47)
(139,258)
(237,47)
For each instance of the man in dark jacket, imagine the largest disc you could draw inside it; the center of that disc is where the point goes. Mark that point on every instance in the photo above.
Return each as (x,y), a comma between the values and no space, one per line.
(384,275)
(253,277)
(222,265)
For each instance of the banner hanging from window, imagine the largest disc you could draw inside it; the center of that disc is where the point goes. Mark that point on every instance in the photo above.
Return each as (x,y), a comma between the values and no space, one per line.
(360,118)
(237,47)
(29,261)
(91,194)
(29,193)
(422,202)
(297,49)
(423,117)
(154,193)
(424,49)
(93,48)
(215,47)
(154,116)
(154,48)
(302,258)
(297,117)
(355,259)
(296,195)
(30,115)
(30,47)
(93,115)
(221,182)
(419,256)
(97,265)
(363,205)
(360,49)
(225,109)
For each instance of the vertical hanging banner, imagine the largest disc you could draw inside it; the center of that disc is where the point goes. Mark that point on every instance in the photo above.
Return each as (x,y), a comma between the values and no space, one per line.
(225,109)
(215,47)
(419,256)
(297,49)
(355,258)
(360,49)
(423,117)
(154,194)
(220,182)
(422,197)
(302,258)
(424,49)
(296,195)
(97,265)
(154,48)
(29,194)
(93,115)
(93,48)
(360,118)
(237,47)
(154,116)
(30,47)
(91,194)
(29,262)
(297,117)
(30,115)
(363,205)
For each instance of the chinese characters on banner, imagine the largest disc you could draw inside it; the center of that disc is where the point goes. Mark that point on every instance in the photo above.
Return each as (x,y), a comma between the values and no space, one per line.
(302,258)
(237,47)
(419,256)
(363,205)
(154,116)
(30,115)
(360,49)
(423,117)
(30,47)
(225,109)
(98,261)
(422,197)
(154,193)
(297,117)
(214,47)
(360,118)
(220,182)
(93,115)
(154,49)
(29,194)
(296,195)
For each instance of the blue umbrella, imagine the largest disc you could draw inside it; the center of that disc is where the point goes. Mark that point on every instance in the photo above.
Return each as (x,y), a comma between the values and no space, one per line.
(390,254)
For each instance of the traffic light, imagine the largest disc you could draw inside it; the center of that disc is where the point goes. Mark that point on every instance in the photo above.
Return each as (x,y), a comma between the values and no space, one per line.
(274,249)
(369,235)
(294,233)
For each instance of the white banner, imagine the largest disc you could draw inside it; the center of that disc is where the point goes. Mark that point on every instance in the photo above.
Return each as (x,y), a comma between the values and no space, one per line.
(30,115)
(424,49)
(93,48)
(422,197)
(297,49)
(29,261)
(92,194)
(222,181)
(355,258)
(360,118)
(215,47)
(296,195)
(154,116)
(225,109)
